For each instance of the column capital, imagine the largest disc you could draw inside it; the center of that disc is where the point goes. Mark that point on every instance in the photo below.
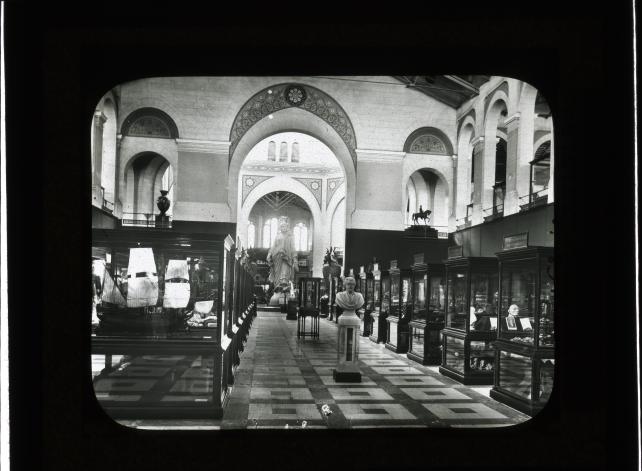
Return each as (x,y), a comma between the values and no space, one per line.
(512,121)
(99,118)
(477,140)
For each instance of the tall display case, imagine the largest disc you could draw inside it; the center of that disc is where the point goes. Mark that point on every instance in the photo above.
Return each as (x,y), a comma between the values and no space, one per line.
(381,303)
(366,282)
(524,355)
(400,308)
(427,322)
(472,293)
(310,295)
(161,348)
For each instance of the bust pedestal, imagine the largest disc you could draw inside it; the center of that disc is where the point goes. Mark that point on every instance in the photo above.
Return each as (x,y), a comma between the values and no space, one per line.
(347,369)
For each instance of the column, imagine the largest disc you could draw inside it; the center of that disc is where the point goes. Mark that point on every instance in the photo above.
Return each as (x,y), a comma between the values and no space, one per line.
(454,197)
(551,180)
(511,200)
(525,151)
(478,161)
(97,157)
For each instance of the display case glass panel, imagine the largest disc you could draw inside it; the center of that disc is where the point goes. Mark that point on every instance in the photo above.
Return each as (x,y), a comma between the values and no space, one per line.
(370,297)
(395,291)
(457,302)
(546,370)
(385,290)
(515,373)
(419,305)
(518,301)
(376,292)
(454,353)
(484,296)
(418,340)
(482,355)
(393,328)
(546,300)
(437,299)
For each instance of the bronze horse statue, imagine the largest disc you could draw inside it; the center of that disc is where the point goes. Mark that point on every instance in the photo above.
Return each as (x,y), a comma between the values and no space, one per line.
(425,215)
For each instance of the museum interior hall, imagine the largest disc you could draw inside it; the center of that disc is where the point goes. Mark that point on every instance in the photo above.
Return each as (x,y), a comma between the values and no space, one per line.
(322,252)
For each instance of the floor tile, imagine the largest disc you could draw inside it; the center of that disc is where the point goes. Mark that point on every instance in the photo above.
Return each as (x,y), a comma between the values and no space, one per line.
(432,394)
(469,411)
(375,412)
(359,394)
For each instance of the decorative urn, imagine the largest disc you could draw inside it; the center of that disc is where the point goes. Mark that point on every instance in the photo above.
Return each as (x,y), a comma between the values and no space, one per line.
(163,202)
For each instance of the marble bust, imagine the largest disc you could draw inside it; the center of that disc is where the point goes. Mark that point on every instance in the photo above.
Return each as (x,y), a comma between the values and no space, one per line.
(349,299)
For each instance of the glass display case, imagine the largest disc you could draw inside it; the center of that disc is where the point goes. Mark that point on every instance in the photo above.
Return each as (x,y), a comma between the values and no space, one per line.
(366,283)
(160,343)
(472,295)
(400,309)
(427,322)
(381,303)
(310,295)
(525,345)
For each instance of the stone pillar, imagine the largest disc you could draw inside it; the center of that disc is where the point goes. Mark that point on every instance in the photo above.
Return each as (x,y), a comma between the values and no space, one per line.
(454,196)
(118,204)
(551,180)
(97,157)
(478,161)
(511,200)
(487,179)
(525,151)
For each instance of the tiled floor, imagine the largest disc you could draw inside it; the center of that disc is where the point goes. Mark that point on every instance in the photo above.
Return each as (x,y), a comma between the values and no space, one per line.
(283,382)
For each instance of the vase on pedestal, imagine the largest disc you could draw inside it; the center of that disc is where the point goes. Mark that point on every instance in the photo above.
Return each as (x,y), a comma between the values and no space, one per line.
(163,202)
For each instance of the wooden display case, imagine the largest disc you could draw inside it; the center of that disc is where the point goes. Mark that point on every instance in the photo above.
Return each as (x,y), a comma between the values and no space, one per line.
(472,292)
(524,354)
(400,309)
(427,321)
(144,367)
(381,300)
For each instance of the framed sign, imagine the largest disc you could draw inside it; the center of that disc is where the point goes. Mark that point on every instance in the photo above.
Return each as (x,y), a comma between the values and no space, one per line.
(525,323)
(456,251)
(418,258)
(515,241)
(510,323)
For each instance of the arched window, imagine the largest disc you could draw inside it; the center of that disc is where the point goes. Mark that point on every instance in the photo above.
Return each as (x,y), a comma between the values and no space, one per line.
(272,151)
(251,235)
(283,156)
(300,237)
(295,151)
(499,189)
(270,229)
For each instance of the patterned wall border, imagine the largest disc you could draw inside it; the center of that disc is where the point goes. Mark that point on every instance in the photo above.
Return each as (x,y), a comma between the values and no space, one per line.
(252,181)
(333,186)
(315,185)
(286,95)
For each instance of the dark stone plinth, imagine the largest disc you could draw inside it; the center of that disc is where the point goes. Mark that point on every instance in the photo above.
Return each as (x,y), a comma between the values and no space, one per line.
(162,221)
(346,375)
(421,232)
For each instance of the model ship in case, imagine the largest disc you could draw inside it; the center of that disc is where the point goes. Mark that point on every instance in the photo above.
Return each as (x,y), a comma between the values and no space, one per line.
(148,306)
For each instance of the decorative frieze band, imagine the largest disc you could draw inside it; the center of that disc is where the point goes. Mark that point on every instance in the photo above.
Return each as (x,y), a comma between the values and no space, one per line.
(369,155)
(193,145)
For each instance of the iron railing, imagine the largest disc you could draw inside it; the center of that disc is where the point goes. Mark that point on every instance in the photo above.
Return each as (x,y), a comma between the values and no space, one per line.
(533,200)
(145,220)
(494,212)
(105,204)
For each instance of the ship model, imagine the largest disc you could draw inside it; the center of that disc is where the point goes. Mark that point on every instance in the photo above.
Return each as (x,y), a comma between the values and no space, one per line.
(148,307)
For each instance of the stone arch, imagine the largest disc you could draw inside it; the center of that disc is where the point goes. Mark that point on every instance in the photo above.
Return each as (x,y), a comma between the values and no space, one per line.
(143,175)
(543,139)
(437,141)
(287,95)
(282,183)
(291,119)
(154,114)
(497,107)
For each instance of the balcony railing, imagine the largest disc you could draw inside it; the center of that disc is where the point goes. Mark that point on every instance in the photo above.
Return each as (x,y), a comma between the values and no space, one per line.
(495,212)
(106,205)
(533,200)
(463,223)
(146,220)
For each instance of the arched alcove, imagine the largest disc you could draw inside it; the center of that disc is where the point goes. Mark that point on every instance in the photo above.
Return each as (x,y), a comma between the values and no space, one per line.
(146,175)
(426,188)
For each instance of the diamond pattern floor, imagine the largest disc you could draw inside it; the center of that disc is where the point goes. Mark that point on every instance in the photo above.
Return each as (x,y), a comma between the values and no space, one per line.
(283,382)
